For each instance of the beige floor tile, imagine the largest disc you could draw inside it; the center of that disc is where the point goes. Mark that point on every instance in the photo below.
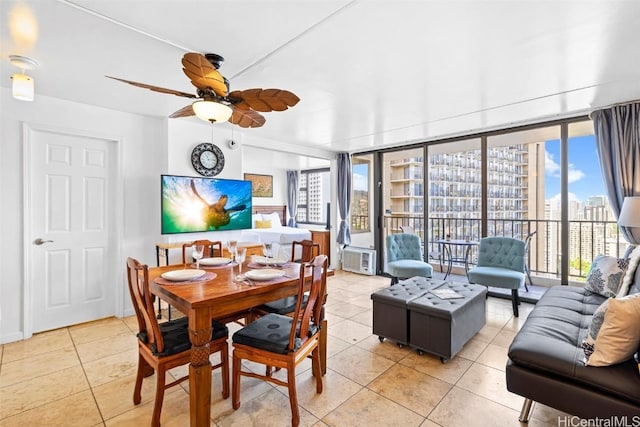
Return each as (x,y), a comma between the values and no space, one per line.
(335,345)
(410,388)
(36,366)
(132,323)
(116,397)
(92,331)
(345,309)
(108,346)
(336,389)
(367,408)
(463,408)
(365,318)
(359,365)
(491,384)
(44,342)
(349,331)
(504,338)
(487,333)
(362,300)
(473,349)
(542,415)
(175,413)
(268,409)
(250,388)
(112,367)
(451,371)
(494,356)
(387,348)
(78,410)
(26,395)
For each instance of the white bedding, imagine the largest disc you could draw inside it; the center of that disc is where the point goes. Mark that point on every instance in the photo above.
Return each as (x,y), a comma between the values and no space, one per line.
(281,235)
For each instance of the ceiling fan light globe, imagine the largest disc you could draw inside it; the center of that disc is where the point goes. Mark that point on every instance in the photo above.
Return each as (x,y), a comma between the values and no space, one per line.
(211,111)
(22,87)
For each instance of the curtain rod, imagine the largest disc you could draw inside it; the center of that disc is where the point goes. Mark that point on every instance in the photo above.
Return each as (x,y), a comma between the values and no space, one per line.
(617,104)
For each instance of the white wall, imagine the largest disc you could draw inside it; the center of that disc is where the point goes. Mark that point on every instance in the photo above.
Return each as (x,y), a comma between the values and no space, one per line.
(149,147)
(142,158)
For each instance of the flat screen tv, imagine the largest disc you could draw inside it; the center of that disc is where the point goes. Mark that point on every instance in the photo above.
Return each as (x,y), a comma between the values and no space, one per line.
(196,204)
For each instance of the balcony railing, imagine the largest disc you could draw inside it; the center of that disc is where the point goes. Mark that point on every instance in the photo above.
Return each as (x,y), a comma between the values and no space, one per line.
(587,239)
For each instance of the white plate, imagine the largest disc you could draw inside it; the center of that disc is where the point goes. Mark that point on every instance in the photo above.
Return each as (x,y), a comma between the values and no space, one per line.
(215,261)
(264,274)
(182,275)
(263,260)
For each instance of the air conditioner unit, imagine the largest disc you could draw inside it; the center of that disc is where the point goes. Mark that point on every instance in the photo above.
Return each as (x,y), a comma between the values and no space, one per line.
(359,260)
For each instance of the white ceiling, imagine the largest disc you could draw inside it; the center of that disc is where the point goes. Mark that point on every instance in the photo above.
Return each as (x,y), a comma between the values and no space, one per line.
(369,73)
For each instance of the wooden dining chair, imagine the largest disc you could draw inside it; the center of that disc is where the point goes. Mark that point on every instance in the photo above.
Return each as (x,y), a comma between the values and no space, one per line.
(283,341)
(163,346)
(287,305)
(308,249)
(211,249)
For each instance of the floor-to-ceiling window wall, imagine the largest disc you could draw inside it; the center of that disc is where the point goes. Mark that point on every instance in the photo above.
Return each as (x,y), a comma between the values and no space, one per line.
(541,180)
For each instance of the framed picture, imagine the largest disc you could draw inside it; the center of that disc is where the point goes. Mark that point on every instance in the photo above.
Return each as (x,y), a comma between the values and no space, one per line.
(261,185)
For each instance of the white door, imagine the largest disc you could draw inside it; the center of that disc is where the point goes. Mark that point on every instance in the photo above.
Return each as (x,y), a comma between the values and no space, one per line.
(70,193)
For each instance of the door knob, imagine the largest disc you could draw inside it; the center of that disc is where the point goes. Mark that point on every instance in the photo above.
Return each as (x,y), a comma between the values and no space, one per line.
(39,241)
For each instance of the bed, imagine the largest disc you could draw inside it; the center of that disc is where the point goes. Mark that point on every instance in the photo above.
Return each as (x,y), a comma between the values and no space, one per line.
(273,218)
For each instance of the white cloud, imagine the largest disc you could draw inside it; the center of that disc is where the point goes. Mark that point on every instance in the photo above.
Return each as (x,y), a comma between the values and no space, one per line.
(552,168)
(360,182)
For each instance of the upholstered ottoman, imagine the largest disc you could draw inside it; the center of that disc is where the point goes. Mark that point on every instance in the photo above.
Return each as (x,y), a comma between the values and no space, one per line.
(390,315)
(442,326)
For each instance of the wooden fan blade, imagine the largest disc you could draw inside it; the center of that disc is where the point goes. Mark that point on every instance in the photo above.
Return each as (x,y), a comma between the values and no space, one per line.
(183,112)
(266,100)
(246,118)
(155,88)
(202,74)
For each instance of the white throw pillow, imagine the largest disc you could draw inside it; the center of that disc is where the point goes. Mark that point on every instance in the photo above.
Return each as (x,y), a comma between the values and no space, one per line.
(619,335)
(276,222)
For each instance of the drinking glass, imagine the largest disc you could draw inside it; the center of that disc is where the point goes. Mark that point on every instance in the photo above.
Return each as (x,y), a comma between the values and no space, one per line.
(232,246)
(198,251)
(267,250)
(241,254)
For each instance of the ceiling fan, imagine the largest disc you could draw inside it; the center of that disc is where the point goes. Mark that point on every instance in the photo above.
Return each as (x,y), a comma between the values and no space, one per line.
(214,101)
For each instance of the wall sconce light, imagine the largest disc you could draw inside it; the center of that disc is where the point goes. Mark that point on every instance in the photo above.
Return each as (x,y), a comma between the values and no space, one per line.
(23,85)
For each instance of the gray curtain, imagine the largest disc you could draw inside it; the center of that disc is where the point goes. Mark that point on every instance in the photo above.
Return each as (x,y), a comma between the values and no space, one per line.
(292,197)
(344,197)
(617,132)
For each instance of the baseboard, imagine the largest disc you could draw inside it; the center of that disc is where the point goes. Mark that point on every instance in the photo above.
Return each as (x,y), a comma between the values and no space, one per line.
(16,336)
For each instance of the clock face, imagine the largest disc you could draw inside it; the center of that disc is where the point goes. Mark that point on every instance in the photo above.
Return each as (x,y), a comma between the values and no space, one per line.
(207,159)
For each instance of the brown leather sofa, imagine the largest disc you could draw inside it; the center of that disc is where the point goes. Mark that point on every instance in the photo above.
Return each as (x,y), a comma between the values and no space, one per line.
(546,360)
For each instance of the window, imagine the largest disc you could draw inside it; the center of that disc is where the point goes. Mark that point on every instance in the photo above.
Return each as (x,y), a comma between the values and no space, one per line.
(360,200)
(313,196)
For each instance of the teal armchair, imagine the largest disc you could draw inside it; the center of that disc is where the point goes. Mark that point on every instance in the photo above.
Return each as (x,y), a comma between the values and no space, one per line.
(501,264)
(404,257)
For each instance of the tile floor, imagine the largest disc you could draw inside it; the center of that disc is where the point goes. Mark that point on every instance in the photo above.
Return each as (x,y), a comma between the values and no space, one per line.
(83,376)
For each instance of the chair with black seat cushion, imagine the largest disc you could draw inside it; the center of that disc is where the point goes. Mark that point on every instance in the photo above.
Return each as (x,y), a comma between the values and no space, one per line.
(501,264)
(307,250)
(404,257)
(163,346)
(282,341)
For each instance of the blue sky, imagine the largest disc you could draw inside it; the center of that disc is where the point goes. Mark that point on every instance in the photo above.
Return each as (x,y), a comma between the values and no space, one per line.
(585,178)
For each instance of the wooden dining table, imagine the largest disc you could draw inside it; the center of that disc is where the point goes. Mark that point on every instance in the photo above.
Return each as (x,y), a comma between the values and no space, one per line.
(217,298)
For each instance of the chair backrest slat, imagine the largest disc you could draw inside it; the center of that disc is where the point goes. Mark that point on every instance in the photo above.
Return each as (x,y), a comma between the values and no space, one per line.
(309,250)
(304,316)
(138,278)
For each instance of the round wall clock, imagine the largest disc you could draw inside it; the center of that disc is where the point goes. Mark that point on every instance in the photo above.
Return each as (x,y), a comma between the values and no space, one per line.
(207,159)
